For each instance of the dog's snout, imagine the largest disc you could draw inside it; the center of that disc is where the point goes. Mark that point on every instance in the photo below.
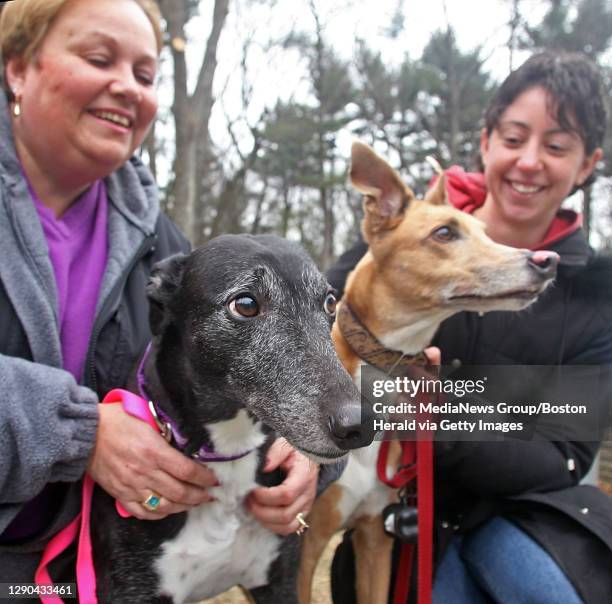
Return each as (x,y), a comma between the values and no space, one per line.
(544,262)
(351,426)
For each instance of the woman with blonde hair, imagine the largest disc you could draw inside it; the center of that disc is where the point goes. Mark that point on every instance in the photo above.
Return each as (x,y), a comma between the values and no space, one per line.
(80,228)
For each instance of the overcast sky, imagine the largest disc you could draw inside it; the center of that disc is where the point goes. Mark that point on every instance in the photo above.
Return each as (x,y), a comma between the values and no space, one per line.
(277,73)
(477,22)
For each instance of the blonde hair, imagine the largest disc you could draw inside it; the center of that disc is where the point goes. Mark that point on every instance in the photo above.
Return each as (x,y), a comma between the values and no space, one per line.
(24,25)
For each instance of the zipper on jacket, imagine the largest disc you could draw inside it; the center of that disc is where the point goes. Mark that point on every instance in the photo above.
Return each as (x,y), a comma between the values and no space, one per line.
(146,246)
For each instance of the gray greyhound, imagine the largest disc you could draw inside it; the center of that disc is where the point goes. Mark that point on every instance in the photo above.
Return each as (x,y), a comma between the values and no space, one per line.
(241,353)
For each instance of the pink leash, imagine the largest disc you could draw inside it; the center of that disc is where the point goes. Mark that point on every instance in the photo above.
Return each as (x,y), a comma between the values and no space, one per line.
(86,576)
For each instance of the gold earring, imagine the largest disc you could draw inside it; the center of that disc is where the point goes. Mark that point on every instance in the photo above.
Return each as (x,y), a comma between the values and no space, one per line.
(17,105)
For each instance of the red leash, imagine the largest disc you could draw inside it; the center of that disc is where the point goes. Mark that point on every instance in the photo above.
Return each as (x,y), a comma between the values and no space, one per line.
(416,463)
(426,509)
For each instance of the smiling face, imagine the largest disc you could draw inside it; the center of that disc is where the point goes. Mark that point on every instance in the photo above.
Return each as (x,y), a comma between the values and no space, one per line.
(531,164)
(87,97)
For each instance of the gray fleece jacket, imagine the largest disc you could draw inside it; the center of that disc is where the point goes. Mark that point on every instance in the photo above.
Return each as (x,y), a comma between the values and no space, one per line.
(48,422)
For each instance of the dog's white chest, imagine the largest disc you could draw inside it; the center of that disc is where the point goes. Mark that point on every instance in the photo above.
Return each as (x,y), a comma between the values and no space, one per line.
(216,549)
(221,544)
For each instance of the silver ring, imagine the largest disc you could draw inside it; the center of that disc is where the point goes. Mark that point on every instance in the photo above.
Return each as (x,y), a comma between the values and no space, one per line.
(304,526)
(151,503)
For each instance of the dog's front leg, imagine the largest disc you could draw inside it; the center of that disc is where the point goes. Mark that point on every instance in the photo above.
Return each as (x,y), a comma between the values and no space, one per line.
(373,549)
(324,520)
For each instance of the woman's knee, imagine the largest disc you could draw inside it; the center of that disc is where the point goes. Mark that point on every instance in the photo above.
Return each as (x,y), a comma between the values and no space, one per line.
(512,567)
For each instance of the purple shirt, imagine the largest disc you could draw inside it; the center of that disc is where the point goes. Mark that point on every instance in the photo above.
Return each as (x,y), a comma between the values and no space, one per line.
(78,248)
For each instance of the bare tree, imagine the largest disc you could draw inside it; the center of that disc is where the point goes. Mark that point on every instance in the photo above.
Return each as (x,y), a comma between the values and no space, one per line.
(191,111)
(514,25)
(232,199)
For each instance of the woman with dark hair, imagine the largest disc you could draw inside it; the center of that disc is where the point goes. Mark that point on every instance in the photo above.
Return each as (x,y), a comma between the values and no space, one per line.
(513,524)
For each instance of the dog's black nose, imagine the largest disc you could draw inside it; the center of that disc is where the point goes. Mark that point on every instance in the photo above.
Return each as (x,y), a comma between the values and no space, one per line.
(352,426)
(544,262)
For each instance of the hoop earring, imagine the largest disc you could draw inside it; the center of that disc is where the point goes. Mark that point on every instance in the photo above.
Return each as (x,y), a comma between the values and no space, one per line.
(17,106)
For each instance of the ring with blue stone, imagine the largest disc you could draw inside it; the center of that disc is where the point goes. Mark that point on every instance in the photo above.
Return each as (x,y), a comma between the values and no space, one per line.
(151,503)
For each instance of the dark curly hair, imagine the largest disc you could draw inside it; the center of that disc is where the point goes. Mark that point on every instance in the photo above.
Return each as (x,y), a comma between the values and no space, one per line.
(576,97)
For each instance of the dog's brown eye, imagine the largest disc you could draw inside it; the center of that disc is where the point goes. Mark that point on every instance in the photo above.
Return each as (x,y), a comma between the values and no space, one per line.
(444,234)
(330,304)
(244,306)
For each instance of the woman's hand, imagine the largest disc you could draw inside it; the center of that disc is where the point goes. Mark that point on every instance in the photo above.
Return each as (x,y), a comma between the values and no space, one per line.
(433,354)
(276,508)
(131,461)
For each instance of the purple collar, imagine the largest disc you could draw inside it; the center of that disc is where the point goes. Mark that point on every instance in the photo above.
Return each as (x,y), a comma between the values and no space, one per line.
(168,428)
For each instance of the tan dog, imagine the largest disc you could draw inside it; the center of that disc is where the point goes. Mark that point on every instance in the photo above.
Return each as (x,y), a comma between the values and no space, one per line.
(426,262)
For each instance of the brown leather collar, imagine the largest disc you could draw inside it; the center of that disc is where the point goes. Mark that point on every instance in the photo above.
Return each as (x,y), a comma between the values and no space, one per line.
(369,349)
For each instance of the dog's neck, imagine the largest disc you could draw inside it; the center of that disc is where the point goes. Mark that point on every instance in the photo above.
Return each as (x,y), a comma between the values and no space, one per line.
(400,328)
(415,333)
(368,347)
(221,440)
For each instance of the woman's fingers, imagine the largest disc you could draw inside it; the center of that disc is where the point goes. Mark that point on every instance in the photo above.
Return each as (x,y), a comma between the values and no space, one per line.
(164,508)
(130,461)
(433,354)
(184,469)
(277,507)
(281,519)
(177,491)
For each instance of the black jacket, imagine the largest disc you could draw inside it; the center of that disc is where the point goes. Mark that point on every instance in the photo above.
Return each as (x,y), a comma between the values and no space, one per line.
(529,481)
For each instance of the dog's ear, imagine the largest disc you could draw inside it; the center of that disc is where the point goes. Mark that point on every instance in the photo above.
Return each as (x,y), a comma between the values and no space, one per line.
(437,195)
(386,197)
(163,281)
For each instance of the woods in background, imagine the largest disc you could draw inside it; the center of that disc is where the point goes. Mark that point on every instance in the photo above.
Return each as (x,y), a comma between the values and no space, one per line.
(242,156)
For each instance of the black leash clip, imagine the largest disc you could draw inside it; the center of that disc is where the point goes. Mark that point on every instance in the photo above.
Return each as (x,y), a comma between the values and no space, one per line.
(400,520)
